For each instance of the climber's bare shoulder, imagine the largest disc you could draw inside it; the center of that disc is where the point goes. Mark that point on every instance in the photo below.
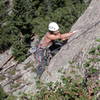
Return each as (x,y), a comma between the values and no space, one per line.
(53,36)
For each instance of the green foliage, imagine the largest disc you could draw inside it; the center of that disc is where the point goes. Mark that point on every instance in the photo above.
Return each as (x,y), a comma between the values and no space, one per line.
(11,98)
(28,65)
(93,60)
(2,77)
(3,95)
(3,12)
(98,40)
(92,51)
(67,89)
(15,85)
(92,70)
(87,64)
(98,48)
(19,51)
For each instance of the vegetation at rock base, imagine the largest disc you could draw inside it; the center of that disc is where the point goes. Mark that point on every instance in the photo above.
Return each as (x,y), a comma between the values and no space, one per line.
(2,77)
(3,95)
(25,18)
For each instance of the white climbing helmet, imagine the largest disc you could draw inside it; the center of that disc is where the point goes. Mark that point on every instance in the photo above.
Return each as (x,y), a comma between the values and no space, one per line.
(53,26)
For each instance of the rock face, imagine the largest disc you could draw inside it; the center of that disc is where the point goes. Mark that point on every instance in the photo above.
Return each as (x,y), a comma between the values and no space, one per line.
(17,77)
(88,26)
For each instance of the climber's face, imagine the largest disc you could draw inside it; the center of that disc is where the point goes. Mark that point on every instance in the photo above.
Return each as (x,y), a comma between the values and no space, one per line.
(56,32)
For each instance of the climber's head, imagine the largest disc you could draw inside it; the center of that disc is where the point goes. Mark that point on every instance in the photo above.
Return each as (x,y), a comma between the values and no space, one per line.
(53,27)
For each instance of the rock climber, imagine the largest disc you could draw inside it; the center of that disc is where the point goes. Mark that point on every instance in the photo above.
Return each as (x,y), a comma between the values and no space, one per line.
(47,41)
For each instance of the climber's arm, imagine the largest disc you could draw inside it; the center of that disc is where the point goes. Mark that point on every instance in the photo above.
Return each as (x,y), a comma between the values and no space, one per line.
(66,36)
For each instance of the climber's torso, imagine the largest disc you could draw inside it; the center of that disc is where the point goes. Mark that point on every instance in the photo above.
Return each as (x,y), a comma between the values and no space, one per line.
(45,42)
